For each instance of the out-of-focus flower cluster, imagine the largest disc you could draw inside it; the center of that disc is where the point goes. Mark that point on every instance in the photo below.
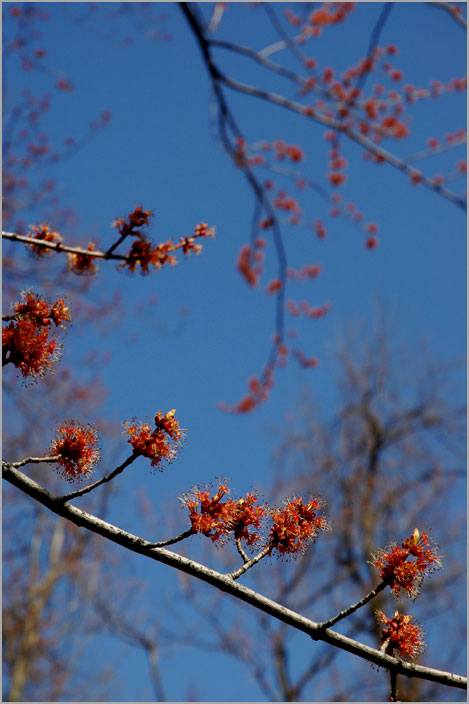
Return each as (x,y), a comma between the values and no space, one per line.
(144,253)
(29,340)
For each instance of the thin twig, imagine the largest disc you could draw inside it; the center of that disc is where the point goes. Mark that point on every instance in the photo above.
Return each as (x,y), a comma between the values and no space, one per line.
(452,10)
(350,609)
(239,547)
(34,460)
(394,692)
(171,541)
(250,563)
(59,247)
(106,478)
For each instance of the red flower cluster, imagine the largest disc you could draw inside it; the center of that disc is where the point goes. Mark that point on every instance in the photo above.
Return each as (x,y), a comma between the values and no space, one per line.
(218,519)
(292,151)
(43,233)
(331,13)
(304,361)
(401,636)
(159,445)
(249,263)
(274,286)
(309,271)
(136,219)
(403,573)
(295,526)
(75,444)
(320,229)
(336,177)
(283,201)
(372,242)
(304,307)
(83,264)
(259,389)
(27,341)
(144,253)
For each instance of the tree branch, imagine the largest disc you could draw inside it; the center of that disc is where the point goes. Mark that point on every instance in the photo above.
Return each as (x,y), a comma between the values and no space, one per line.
(224,583)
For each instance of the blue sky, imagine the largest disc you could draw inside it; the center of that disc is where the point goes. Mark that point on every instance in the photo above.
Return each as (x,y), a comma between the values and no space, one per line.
(158,150)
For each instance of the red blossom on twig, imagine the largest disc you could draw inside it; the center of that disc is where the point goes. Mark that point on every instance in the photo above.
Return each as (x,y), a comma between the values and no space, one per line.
(401,636)
(296,525)
(27,341)
(83,264)
(75,445)
(217,519)
(143,251)
(208,514)
(43,233)
(160,444)
(400,571)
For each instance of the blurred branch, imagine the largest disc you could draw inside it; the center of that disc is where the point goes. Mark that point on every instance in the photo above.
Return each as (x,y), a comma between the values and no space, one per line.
(453,10)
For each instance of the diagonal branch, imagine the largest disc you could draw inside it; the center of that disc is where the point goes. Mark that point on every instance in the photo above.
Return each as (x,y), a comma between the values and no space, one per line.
(224,583)
(453,11)
(352,134)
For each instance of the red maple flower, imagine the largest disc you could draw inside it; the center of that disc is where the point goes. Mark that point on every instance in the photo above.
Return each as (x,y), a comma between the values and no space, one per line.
(27,341)
(75,445)
(160,444)
(400,571)
(274,286)
(208,514)
(372,242)
(295,525)
(401,635)
(28,347)
(137,218)
(244,514)
(259,390)
(43,233)
(83,264)
(219,519)
(337,179)
(245,268)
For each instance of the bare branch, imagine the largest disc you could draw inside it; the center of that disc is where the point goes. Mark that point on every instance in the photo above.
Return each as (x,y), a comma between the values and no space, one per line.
(33,460)
(349,610)
(250,563)
(106,478)
(452,10)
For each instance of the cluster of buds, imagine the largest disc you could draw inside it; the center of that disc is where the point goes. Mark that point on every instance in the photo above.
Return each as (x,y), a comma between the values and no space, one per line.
(43,233)
(282,150)
(331,13)
(145,253)
(219,516)
(401,636)
(83,264)
(250,261)
(160,443)
(75,447)
(130,225)
(259,389)
(28,341)
(303,307)
(404,566)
